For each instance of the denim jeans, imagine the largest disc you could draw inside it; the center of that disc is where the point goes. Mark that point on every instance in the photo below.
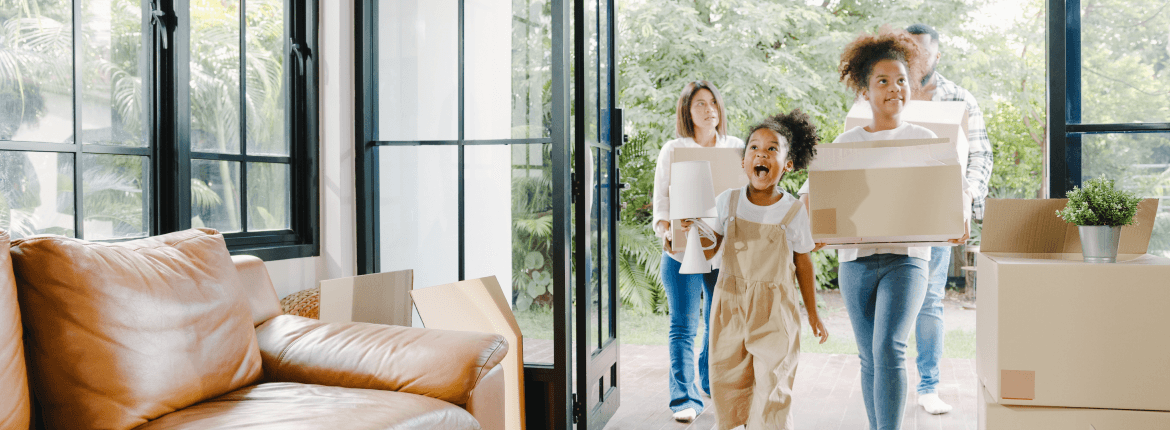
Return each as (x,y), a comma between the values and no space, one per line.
(883,293)
(683,294)
(929,330)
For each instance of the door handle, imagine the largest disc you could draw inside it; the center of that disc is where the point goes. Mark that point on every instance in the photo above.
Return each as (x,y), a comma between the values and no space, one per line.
(301,52)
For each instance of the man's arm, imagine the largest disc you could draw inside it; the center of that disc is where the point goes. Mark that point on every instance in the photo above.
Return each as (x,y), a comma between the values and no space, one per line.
(980,159)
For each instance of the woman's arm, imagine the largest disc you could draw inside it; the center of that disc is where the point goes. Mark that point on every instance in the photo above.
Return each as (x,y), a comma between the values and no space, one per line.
(805,276)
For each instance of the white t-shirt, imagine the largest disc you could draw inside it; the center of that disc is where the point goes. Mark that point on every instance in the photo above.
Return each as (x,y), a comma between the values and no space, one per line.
(858,134)
(799,231)
(662,181)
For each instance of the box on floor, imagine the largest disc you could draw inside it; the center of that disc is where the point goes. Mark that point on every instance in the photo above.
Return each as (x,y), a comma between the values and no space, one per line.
(993,416)
(1052,330)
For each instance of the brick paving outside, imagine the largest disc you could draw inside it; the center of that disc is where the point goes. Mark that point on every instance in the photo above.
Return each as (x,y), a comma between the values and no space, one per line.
(827,392)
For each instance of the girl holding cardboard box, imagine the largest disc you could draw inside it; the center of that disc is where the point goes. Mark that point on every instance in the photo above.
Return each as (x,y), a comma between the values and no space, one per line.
(883,288)
(700,121)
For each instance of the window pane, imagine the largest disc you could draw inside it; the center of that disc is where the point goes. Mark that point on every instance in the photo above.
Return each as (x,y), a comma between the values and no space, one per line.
(111,77)
(117,190)
(508,62)
(37,196)
(215,76)
(215,195)
(509,206)
(1125,69)
(1139,162)
(419,212)
(36,72)
(268,201)
(418,69)
(265,84)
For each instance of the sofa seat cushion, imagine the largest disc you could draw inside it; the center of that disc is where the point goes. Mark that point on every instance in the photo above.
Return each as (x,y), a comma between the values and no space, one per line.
(293,406)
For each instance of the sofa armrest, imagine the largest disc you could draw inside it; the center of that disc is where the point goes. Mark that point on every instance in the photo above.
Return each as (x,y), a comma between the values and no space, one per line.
(442,364)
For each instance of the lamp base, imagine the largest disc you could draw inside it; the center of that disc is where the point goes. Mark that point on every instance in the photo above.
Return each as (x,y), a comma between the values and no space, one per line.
(694,262)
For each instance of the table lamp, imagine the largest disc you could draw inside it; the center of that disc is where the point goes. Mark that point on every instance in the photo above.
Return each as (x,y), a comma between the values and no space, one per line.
(692,196)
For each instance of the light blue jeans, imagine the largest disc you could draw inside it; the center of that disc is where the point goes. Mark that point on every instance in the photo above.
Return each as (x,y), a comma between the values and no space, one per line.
(883,293)
(929,330)
(683,294)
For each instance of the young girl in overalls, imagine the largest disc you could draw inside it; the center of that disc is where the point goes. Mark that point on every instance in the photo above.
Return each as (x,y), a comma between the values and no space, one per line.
(755,321)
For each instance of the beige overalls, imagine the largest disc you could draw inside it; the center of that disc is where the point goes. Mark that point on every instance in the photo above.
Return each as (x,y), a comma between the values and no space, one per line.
(755,325)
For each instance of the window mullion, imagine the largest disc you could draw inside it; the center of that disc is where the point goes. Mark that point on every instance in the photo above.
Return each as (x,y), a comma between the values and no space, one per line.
(78,146)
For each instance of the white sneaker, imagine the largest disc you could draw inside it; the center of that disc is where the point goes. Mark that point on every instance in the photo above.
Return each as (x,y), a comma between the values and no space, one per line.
(933,404)
(686,415)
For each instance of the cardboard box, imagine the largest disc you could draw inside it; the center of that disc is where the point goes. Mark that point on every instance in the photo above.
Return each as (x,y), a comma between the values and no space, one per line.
(379,298)
(479,305)
(1052,330)
(947,120)
(994,416)
(887,193)
(726,173)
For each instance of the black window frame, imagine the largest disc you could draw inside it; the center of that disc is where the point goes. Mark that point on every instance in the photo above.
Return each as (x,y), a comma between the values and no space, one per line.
(168,130)
(1064,101)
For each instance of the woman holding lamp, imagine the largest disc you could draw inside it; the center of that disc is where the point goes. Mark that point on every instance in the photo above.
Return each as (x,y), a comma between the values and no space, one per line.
(700,122)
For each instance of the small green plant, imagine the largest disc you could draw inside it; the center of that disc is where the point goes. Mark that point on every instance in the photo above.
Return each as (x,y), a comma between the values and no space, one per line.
(1100,203)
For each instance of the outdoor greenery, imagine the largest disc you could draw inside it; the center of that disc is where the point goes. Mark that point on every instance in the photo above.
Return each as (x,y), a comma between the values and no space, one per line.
(771,56)
(1100,203)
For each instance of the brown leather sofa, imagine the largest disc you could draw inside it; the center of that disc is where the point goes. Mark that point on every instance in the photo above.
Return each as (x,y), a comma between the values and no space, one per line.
(171,332)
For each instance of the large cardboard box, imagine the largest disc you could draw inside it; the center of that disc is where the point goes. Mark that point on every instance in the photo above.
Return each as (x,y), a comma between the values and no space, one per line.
(947,120)
(994,416)
(726,173)
(378,298)
(1052,330)
(479,305)
(887,193)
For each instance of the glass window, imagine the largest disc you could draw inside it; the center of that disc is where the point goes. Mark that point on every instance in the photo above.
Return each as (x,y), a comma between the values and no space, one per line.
(419,207)
(268,196)
(1125,68)
(509,206)
(418,70)
(116,190)
(265,84)
(507,70)
(111,78)
(1139,162)
(36,72)
(37,196)
(215,197)
(215,76)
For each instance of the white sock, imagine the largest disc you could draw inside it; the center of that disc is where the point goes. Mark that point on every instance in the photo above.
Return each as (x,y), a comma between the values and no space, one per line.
(933,404)
(686,415)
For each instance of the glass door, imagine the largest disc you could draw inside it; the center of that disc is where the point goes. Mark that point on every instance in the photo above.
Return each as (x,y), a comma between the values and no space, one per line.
(595,139)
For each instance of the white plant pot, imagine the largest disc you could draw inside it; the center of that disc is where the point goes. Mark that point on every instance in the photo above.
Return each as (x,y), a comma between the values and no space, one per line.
(1099,243)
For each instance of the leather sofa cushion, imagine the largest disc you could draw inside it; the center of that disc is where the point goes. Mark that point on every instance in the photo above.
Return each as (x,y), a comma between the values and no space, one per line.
(122,333)
(14,399)
(293,406)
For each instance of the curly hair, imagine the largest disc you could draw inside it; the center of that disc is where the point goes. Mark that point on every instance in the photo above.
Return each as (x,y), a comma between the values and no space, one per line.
(798,129)
(888,44)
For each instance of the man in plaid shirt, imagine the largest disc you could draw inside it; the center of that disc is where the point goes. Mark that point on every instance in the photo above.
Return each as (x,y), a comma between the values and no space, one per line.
(929,328)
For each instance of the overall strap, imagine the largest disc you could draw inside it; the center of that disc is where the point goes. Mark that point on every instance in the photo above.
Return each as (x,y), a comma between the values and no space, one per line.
(734,206)
(796,208)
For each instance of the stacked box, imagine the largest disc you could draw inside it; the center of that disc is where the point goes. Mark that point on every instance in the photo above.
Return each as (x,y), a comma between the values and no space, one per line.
(1055,333)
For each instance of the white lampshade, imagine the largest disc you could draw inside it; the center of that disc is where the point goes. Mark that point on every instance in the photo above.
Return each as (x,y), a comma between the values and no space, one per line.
(692,194)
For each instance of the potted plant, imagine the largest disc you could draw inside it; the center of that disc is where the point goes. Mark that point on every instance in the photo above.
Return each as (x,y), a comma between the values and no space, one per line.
(1100,210)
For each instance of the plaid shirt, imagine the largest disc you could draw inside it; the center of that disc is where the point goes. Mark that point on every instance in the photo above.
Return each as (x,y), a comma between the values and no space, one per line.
(980,159)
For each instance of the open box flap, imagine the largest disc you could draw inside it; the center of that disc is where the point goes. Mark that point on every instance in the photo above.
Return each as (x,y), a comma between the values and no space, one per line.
(939,117)
(1031,226)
